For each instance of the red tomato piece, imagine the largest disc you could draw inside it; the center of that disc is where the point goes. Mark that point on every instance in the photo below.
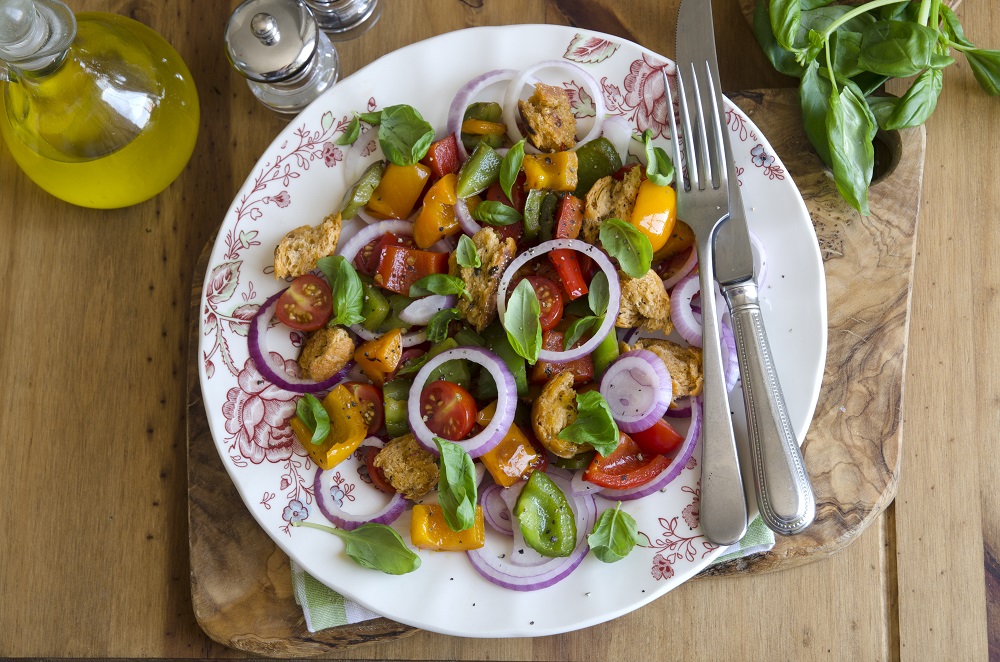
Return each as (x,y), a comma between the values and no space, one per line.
(370,399)
(375,473)
(582,368)
(660,439)
(367,259)
(569,217)
(442,157)
(549,299)
(628,466)
(495,192)
(568,268)
(448,410)
(399,268)
(306,305)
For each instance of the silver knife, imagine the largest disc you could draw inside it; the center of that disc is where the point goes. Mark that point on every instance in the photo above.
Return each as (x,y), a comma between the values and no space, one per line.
(784,493)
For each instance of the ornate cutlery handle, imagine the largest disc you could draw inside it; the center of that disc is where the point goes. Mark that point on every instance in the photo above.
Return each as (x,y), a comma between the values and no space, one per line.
(784,494)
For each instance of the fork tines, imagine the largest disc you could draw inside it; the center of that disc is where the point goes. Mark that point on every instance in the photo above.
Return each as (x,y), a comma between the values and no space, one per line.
(705,159)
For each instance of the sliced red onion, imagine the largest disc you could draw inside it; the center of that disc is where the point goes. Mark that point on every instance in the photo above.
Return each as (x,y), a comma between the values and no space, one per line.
(366,235)
(638,389)
(502,569)
(469,225)
(680,408)
(628,336)
(387,514)
(465,96)
(257,344)
(495,511)
(409,339)
(511,112)
(759,258)
(618,130)
(493,433)
(422,310)
(614,289)
(730,361)
(689,264)
(671,472)
(681,313)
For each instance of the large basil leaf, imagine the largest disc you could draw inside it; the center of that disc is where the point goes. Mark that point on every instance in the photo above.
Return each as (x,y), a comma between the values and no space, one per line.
(404,135)
(897,48)
(986,68)
(814,97)
(782,60)
(345,288)
(615,535)
(851,127)
(625,243)
(914,107)
(374,546)
(953,28)
(456,485)
(594,424)
(521,322)
(785,16)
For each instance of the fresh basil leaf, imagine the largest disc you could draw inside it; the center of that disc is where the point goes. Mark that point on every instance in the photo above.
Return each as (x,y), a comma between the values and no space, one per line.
(578,329)
(351,133)
(437,328)
(594,424)
(521,322)
(900,11)
(510,166)
(785,16)
(851,127)
(845,47)
(312,412)
(882,108)
(868,82)
(953,28)
(456,485)
(821,18)
(600,294)
(466,254)
(346,290)
(625,243)
(814,98)
(914,107)
(897,48)
(439,284)
(494,212)
(374,118)
(782,60)
(986,68)
(413,366)
(659,167)
(404,135)
(813,4)
(374,546)
(615,535)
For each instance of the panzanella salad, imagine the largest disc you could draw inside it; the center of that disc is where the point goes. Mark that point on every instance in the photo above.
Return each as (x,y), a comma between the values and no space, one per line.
(476,343)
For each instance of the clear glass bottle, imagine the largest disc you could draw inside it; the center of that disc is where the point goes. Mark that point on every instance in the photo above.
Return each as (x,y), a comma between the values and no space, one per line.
(97,109)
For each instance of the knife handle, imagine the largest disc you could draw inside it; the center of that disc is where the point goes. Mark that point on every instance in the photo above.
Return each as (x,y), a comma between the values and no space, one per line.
(723,501)
(784,494)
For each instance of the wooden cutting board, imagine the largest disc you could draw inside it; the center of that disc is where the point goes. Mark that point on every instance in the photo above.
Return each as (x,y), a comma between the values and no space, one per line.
(241,582)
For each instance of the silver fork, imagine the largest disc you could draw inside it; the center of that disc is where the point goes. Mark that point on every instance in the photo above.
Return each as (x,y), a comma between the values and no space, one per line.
(703,203)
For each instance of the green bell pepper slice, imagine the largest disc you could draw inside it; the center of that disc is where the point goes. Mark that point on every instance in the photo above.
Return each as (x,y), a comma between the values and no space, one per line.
(547,521)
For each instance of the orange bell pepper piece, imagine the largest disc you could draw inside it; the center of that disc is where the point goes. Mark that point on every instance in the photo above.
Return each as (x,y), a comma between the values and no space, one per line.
(377,358)
(554,172)
(655,212)
(483,128)
(398,191)
(513,458)
(429,530)
(436,219)
(347,429)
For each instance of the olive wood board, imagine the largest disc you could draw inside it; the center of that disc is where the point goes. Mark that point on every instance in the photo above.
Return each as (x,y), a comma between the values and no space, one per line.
(241,582)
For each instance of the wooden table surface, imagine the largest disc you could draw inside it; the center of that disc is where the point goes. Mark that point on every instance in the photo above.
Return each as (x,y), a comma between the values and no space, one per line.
(93,345)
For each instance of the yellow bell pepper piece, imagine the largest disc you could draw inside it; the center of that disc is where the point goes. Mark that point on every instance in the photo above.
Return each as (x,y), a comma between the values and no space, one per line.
(436,219)
(378,357)
(553,172)
(655,212)
(429,530)
(347,429)
(397,193)
(483,128)
(513,458)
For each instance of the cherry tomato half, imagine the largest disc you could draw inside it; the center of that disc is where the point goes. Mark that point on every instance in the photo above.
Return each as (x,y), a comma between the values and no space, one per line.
(368,257)
(376,474)
(628,466)
(370,398)
(448,410)
(306,305)
(660,439)
(549,300)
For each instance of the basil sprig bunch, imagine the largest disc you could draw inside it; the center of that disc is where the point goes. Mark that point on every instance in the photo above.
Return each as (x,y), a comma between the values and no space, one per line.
(844,54)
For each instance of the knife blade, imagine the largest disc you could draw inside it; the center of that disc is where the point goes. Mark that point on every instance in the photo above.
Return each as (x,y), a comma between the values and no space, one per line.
(784,493)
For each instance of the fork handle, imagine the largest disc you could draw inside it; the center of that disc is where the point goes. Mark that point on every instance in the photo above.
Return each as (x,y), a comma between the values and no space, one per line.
(723,503)
(784,494)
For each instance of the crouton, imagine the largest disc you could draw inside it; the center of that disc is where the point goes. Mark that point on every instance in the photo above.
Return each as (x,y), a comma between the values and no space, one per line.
(609,198)
(549,119)
(300,249)
(482,283)
(553,411)
(683,364)
(325,353)
(408,466)
(645,303)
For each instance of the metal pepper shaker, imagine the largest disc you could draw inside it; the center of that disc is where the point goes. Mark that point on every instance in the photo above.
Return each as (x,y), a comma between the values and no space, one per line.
(345,19)
(278,47)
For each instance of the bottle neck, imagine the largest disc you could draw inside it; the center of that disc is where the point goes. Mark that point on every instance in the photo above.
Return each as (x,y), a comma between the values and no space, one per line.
(34,36)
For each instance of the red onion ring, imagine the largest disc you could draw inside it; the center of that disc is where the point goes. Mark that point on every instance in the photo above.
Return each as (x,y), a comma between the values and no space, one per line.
(366,235)
(730,361)
(671,472)
(638,389)
(493,433)
(614,289)
(689,264)
(495,511)
(422,310)
(680,408)
(349,521)
(257,344)
(681,314)
(469,225)
(464,96)
(502,571)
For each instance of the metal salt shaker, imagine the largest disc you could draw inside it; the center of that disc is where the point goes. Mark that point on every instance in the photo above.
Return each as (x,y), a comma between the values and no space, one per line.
(345,19)
(278,47)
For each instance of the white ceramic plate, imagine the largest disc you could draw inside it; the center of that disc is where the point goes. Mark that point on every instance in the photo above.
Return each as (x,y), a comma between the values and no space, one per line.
(301,178)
